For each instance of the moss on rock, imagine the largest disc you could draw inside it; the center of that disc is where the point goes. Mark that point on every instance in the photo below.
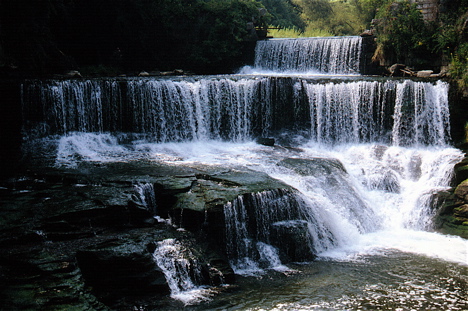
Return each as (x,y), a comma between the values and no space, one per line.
(453,212)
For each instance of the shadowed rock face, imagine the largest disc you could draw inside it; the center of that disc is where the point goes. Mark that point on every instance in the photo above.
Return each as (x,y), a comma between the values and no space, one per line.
(88,239)
(453,204)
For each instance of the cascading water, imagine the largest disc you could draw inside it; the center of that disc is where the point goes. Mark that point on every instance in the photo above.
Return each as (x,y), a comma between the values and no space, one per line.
(359,112)
(248,242)
(402,112)
(334,55)
(147,196)
(183,273)
(371,154)
(326,113)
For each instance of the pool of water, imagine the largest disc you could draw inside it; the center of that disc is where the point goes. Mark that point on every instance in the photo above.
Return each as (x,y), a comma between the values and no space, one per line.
(393,280)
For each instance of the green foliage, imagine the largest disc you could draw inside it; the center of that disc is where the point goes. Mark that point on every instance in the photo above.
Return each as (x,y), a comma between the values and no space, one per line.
(367,9)
(452,40)
(25,34)
(295,33)
(199,35)
(402,34)
(331,18)
(316,9)
(346,19)
(223,28)
(285,13)
(459,65)
(212,36)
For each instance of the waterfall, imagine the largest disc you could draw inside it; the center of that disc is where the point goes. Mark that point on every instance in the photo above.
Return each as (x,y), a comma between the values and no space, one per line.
(182,271)
(253,223)
(147,196)
(160,110)
(362,112)
(329,211)
(372,152)
(334,55)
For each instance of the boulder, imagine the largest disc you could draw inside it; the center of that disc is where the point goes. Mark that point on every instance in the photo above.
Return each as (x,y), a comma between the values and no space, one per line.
(201,207)
(461,191)
(461,171)
(121,268)
(452,217)
(387,181)
(367,33)
(461,211)
(62,229)
(73,74)
(265,141)
(292,238)
(424,73)
(400,70)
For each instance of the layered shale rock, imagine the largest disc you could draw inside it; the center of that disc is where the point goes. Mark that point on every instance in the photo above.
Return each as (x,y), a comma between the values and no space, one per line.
(86,237)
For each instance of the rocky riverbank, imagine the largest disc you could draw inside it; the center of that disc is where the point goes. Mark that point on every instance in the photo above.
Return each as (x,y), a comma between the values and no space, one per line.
(85,238)
(453,211)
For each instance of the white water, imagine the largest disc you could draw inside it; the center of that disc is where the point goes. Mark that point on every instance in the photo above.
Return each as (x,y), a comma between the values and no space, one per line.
(179,266)
(331,55)
(392,184)
(147,196)
(391,137)
(389,111)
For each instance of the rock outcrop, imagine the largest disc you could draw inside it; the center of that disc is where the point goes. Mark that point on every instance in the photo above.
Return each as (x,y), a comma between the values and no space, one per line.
(85,238)
(453,212)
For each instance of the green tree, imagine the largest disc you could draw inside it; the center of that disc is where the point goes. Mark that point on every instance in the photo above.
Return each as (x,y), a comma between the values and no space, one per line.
(285,13)
(26,38)
(316,9)
(202,35)
(402,34)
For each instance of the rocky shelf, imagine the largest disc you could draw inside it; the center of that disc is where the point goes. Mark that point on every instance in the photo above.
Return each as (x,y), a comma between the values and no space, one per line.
(84,238)
(453,204)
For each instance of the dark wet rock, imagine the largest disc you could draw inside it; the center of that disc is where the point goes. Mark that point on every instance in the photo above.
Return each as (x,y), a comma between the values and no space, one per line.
(43,277)
(202,206)
(81,237)
(452,217)
(121,268)
(265,141)
(461,211)
(292,239)
(65,212)
(461,171)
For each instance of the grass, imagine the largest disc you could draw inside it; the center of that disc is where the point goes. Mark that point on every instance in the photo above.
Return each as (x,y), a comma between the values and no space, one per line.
(295,33)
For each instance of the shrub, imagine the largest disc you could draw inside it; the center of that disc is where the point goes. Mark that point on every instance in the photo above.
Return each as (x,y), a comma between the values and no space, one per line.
(402,34)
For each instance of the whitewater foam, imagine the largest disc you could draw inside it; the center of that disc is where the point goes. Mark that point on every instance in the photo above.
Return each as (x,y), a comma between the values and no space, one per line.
(392,215)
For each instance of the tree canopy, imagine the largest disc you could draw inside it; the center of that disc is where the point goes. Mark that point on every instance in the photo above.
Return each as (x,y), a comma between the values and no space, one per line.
(53,35)
(211,36)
